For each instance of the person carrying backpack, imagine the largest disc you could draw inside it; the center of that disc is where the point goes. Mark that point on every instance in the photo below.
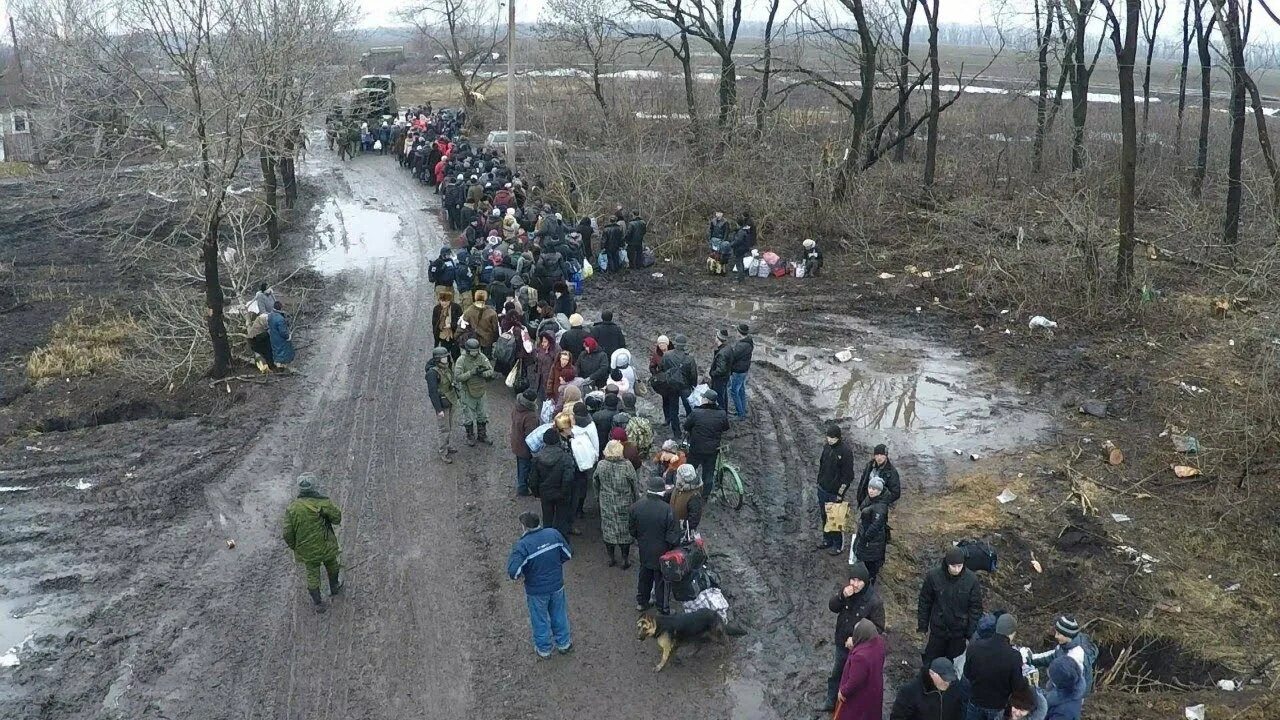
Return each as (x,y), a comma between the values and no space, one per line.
(1072,643)
(677,375)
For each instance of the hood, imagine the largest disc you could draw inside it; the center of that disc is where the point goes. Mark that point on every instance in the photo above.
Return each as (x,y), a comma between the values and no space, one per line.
(621,358)
(1066,677)
(525,404)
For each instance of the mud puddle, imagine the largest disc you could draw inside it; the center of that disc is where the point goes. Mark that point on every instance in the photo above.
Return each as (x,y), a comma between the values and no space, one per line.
(351,234)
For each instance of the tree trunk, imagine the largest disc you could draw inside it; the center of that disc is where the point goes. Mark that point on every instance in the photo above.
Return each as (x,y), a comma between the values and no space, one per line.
(1182,74)
(1235,156)
(270,202)
(1126,55)
(1202,31)
(213,297)
(766,74)
(904,78)
(691,99)
(1157,13)
(1079,85)
(597,88)
(935,97)
(1264,139)
(289,179)
(1042,88)
(728,90)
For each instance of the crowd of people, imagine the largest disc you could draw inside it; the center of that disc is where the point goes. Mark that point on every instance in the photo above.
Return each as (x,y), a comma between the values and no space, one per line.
(507,316)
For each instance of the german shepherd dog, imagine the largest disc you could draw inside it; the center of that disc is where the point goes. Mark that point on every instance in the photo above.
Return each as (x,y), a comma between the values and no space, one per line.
(671,630)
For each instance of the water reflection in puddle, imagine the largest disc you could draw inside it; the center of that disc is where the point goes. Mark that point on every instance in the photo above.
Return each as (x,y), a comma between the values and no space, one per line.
(349,234)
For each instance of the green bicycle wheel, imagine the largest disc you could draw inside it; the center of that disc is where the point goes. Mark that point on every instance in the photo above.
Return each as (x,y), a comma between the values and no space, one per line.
(729,486)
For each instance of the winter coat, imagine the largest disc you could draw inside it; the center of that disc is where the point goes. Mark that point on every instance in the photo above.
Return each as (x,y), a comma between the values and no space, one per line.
(835,467)
(949,605)
(718,229)
(740,354)
(524,420)
(743,241)
(704,428)
(610,337)
(613,237)
(551,477)
(473,371)
(720,366)
(308,528)
(620,359)
(566,305)
(867,604)
(484,321)
(873,531)
(281,345)
(538,557)
(440,388)
(920,699)
(994,670)
(540,369)
(572,340)
(1066,699)
(679,368)
(687,502)
(889,474)
(592,366)
(653,525)
(862,682)
(603,419)
(499,291)
(655,360)
(560,375)
(615,480)
(635,232)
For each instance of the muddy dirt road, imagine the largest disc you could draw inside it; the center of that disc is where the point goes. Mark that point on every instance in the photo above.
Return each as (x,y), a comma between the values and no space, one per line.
(133,607)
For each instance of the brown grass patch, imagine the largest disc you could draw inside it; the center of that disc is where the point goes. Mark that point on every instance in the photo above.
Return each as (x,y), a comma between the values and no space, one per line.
(87,341)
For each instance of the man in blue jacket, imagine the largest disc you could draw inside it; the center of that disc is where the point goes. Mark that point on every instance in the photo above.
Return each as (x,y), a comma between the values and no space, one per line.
(538,557)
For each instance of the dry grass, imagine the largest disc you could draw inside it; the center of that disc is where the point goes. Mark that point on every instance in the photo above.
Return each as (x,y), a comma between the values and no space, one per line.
(15,169)
(88,341)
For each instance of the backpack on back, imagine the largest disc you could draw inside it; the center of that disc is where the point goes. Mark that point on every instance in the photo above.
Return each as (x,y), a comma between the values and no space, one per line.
(678,563)
(1090,660)
(979,555)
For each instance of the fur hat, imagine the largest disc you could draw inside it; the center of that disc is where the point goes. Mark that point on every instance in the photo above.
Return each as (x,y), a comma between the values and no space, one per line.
(481,296)
(613,450)
(687,478)
(575,320)
(656,485)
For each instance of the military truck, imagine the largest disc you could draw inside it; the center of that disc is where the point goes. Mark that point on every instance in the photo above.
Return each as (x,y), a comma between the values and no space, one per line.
(374,99)
(382,59)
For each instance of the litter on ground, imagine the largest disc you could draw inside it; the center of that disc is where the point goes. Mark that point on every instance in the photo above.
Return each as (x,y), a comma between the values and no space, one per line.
(1006,497)
(1141,560)
(1040,321)
(1120,517)
(1185,471)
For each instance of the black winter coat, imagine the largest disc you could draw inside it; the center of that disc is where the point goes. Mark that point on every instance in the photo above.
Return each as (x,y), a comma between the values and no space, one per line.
(720,366)
(704,427)
(635,232)
(892,484)
(609,335)
(873,531)
(920,699)
(572,340)
(654,526)
(603,419)
(866,604)
(835,468)
(594,366)
(685,371)
(740,354)
(613,237)
(551,477)
(994,670)
(949,605)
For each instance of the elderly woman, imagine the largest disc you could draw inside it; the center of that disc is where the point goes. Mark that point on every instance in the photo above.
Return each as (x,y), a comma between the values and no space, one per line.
(615,480)
(862,683)
(686,497)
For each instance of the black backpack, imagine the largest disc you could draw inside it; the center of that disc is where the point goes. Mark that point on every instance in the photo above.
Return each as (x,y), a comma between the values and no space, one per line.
(979,555)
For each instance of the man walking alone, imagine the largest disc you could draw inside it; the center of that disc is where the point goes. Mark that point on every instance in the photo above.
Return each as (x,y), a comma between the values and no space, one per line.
(538,558)
(444,396)
(309,533)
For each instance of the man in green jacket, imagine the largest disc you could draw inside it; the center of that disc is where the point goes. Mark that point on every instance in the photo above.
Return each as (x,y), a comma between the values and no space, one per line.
(473,372)
(309,533)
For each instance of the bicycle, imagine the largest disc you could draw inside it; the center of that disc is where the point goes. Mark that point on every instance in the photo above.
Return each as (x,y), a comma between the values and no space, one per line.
(728,482)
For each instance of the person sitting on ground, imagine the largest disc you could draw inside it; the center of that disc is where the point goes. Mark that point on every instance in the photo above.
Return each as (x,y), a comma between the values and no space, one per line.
(812,258)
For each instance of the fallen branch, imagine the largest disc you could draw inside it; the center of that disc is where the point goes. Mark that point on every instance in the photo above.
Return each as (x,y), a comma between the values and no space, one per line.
(11,308)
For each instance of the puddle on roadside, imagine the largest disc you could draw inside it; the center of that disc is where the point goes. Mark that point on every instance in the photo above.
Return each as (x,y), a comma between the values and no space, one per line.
(747,701)
(349,234)
(17,626)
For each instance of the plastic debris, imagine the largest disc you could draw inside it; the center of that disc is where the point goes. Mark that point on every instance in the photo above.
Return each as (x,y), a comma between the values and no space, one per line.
(1228,685)
(885,275)
(1191,389)
(844,356)
(1040,321)
(1233,587)
(231,544)
(1096,408)
(1194,712)
(1143,561)
(1185,471)
(657,275)
(1120,517)
(1006,497)
(950,427)
(1186,444)
(975,457)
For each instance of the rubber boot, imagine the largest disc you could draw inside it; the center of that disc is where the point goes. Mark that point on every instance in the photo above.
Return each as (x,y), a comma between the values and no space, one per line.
(612,560)
(482,433)
(626,555)
(335,585)
(444,456)
(471,434)
(316,601)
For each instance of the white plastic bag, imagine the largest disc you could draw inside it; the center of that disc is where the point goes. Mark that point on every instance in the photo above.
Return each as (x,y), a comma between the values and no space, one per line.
(695,397)
(534,439)
(585,452)
(548,410)
(377,144)
(853,558)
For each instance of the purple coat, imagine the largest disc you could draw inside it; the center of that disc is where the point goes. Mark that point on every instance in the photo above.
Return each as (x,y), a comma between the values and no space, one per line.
(862,683)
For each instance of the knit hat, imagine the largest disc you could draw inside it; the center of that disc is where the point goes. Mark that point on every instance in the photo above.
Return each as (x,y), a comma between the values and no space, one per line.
(580,409)
(722,334)
(954,556)
(629,402)
(590,343)
(679,341)
(809,243)
(575,320)
(530,520)
(1067,626)
(859,570)
(607,315)
(551,436)
(664,339)
(944,669)
(618,434)
(308,481)
(530,395)
(710,397)
(875,483)
(881,450)
(1006,625)
(834,431)
(670,446)
(656,485)
(743,329)
(611,401)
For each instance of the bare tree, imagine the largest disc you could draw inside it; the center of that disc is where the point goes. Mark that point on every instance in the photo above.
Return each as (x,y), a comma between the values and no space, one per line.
(716,23)
(1077,18)
(935,97)
(1155,10)
(677,43)
(904,76)
(766,69)
(464,35)
(1126,56)
(1044,14)
(1203,33)
(1182,72)
(587,26)
(1234,29)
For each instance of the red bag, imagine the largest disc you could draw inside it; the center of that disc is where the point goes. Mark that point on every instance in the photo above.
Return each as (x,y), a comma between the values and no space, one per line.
(779,271)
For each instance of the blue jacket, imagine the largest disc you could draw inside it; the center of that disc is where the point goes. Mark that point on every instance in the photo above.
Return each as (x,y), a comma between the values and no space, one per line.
(538,557)
(278,329)
(1066,699)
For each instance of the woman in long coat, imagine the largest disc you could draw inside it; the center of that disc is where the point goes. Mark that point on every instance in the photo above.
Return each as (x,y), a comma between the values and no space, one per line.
(615,480)
(539,369)
(862,683)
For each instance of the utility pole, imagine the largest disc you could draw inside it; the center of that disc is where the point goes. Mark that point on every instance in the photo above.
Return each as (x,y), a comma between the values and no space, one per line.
(511,84)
